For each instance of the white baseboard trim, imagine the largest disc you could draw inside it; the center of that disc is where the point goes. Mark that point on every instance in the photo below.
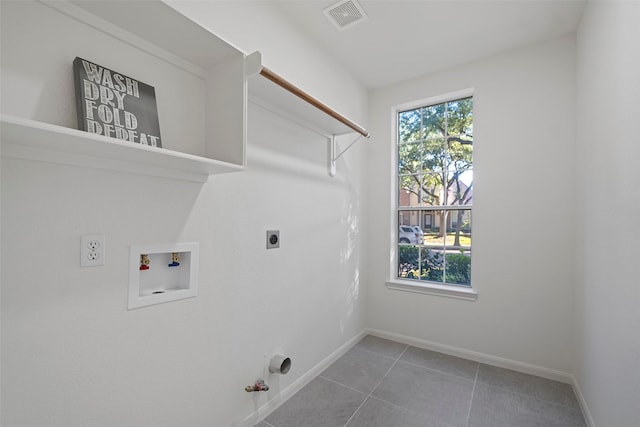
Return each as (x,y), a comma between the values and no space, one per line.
(583,403)
(275,401)
(476,356)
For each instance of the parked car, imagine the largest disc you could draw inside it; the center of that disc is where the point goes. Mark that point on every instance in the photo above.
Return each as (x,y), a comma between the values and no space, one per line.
(408,235)
(420,233)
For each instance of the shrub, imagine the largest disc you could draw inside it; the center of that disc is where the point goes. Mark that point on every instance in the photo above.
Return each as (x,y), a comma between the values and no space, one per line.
(459,269)
(430,268)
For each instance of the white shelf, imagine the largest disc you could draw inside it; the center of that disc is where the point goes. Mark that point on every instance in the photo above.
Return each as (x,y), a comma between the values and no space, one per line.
(153,22)
(199,80)
(202,87)
(28,139)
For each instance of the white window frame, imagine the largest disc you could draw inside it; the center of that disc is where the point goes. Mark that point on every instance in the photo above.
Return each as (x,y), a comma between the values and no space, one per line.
(393,282)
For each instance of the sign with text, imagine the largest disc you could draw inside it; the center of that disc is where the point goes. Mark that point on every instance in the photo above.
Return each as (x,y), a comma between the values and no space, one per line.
(112,104)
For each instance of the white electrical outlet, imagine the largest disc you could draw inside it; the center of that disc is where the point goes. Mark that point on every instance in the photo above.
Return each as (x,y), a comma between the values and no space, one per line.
(92,250)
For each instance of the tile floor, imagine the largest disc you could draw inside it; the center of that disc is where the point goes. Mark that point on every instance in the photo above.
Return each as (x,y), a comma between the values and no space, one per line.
(382,383)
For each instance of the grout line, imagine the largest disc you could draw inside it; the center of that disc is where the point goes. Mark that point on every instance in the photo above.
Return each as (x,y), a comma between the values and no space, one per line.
(473,392)
(342,385)
(380,354)
(369,396)
(376,386)
(396,361)
(422,366)
(411,411)
(389,370)
(437,371)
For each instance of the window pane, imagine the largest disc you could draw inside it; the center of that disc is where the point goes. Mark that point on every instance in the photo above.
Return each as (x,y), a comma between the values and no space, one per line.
(460,120)
(435,155)
(459,230)
(434,221)
(459,193)
(457,224)
(409,126)
(428,222)
(432,264)
(431,186)
(458,268)
(461,188)
(409,191)
(409,231)
(409,158)
(408,261)
(433,121)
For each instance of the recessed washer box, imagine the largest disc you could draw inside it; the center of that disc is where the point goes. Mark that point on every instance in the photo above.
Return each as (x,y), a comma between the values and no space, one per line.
(162,273)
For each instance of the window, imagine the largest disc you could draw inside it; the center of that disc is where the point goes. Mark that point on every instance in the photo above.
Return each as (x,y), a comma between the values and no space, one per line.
(435,193)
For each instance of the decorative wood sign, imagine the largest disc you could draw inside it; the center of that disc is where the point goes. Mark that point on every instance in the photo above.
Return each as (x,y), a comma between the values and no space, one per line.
(112,104)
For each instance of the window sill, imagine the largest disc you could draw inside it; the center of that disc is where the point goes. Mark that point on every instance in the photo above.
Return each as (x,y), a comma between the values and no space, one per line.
(448,291)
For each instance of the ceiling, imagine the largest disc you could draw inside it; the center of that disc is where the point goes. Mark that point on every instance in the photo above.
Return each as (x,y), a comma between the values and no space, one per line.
(400,39)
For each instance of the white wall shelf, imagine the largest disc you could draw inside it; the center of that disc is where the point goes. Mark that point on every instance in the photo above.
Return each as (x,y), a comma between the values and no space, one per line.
(202,86)
(199,80)
(28,139)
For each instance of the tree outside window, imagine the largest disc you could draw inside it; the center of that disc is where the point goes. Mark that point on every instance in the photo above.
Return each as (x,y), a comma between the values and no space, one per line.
(435,192)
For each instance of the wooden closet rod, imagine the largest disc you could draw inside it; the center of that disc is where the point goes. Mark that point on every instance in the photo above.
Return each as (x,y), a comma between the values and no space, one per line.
(265,72)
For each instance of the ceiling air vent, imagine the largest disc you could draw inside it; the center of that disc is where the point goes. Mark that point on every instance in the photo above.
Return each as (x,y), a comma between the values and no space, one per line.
(345,14)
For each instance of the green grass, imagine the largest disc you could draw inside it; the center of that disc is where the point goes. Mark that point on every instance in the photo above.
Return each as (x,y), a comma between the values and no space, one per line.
(434,239)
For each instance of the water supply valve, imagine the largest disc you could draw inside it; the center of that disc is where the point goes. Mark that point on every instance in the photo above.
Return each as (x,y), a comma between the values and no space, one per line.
(258,386)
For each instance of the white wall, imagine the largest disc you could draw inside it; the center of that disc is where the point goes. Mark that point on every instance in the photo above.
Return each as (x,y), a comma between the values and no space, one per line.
(607,346)
(71,352)
(522,262)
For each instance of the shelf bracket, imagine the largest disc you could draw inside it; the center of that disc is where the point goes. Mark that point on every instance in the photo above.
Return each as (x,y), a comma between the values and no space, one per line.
(333,152)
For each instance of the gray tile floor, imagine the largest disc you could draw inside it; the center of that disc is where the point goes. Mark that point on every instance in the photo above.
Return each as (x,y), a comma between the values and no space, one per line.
(381,383)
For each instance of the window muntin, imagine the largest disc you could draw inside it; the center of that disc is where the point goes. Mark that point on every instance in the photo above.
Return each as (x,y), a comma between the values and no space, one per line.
(435,192)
